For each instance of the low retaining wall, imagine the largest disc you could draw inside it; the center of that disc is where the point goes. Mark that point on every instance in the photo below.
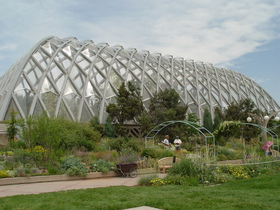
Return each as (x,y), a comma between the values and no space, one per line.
(55,178)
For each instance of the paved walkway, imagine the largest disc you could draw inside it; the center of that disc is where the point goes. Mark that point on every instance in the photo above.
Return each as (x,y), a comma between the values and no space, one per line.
(37,188)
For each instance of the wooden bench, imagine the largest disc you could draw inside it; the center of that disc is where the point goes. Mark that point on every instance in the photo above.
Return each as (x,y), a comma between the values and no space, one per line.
(165,163)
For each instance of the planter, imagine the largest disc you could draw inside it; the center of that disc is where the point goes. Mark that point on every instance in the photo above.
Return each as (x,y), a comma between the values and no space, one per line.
(55,178)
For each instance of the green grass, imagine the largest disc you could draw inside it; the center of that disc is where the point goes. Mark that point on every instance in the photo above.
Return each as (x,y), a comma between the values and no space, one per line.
(255,193)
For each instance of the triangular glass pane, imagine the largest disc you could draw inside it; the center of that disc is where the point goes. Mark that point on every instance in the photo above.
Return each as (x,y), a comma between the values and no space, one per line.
(47,48)
(94,104)
(50,100)
(47,87)
(86,115)
(23,85)
(35,76)
(73,102)
(150,84)
(38,109)
(12,107)
(24,98)
(146,94)
(69,89)
(63,113)
(55,73)
(38,56)
(74,72)
(66,63)
(29,66)
(90,90)
(110,92)
(115,79)
(59,83)
(67,51)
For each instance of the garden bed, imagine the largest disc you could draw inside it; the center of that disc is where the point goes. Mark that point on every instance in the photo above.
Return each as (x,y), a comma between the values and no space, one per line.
(55,178)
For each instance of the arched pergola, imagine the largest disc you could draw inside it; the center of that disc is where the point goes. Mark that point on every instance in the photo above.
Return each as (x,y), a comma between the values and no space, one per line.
(150,138)
(264,129)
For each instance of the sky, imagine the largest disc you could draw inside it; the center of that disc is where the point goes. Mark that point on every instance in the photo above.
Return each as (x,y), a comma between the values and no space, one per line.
(241,35)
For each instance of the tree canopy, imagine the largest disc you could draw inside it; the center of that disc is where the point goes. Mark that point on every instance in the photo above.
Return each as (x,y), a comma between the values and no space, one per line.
(129,104)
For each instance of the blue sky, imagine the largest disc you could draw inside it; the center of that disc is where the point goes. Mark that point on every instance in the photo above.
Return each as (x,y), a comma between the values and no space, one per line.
(242,35)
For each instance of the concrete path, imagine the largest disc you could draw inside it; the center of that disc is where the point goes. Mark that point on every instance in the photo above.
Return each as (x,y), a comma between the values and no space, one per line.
(37,188)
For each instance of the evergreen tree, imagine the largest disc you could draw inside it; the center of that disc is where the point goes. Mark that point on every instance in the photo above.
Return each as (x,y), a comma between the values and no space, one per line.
(165,106)
(207,120)
(129,104)
(109,128)
(217,122)
(13,124)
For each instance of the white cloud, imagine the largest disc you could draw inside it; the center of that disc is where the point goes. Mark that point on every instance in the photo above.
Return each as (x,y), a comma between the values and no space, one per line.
(216,31)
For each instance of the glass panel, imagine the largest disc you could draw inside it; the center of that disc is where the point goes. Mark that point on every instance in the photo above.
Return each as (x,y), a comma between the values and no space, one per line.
(47,48)
(66,63)
(150,85)
(55,73)
(12,107)
(94,104)
(115,80)
(72,101)
(163,84)
(110,92)
(50,100)
(47,87)
(63,113)
(38,109)
(34,76)
(37,56)
(86,115)
(59,83)
(24,98)
(145,94)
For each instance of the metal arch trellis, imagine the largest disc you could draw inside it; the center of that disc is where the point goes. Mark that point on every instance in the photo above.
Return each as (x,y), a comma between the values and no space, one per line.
(264,129)
(275,134)
(151,135)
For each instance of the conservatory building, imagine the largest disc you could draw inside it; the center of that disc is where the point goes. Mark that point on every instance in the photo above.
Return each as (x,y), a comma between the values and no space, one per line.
(78,79)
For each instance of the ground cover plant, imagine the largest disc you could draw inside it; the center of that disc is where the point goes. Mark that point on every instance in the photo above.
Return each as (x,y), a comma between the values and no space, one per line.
(256,193)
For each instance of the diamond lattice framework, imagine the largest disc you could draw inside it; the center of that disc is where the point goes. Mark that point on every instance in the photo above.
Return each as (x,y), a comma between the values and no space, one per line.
(78,79)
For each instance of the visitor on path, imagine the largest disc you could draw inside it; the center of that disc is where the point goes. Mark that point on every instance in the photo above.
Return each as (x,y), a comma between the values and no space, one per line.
(166,142)
(177,143)
(267,147)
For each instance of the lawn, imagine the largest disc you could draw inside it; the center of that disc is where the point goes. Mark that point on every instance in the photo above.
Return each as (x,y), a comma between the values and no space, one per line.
(255,193)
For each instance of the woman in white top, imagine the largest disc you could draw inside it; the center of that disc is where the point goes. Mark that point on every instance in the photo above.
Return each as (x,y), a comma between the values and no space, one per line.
(177,143)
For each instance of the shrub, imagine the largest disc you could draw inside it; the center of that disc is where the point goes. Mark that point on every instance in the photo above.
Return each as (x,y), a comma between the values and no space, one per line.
(146,180)
(101,166)
(148,153)
(238,172)
(181,180)
(161,153)
(34,170)
(157,182)
(73,167)
(219,177)
(185,167)
(122,144)
(53,170)
(20,171)
(4,174)
(128,158)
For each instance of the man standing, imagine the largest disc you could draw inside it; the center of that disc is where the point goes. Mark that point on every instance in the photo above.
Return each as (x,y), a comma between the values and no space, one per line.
(177,143)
